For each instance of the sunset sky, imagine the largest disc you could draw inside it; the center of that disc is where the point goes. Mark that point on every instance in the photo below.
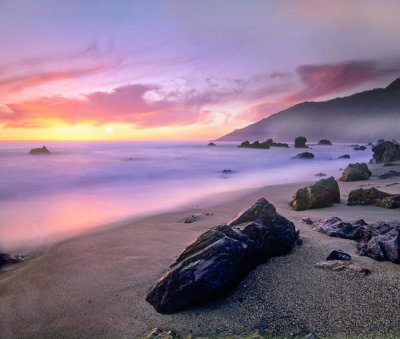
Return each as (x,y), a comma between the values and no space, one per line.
(170,70)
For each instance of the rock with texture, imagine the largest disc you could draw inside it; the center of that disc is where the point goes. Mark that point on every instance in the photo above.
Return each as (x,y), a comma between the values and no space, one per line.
(356,172)
(366,196)
(220,258)
(323,193)
(343,266)
(39,151)
(335,227)
(385,151)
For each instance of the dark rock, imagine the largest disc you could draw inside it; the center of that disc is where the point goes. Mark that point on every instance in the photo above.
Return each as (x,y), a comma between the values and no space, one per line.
(304,155)
(338,255)
(6,259)
(300,142)
(344,156)
(192,218)
(360,148)
(255,144)
(356,172)
(211,144)
(271,143)
(382,242)
(324,142)
(220,258)
(366,196)
(299,241)
(323,193)
(389,174)
(385,151)
(227,171)
(335,227)
(38,151)
(343,266)
(307,220)
(320,174)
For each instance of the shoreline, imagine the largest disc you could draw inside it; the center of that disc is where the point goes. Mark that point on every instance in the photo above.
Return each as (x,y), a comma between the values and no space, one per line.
(101,278)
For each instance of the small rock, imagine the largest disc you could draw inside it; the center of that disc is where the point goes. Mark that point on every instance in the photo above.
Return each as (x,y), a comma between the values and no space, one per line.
(304,155)
(225,171)
(324,142)
(320,174)
(211,144)
(192,218)
(360,148)
(344,156)
(299,241)
(343,266)
(39,151)
(307,220)
(338,255)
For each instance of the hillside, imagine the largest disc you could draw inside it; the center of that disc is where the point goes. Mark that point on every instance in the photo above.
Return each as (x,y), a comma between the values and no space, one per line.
(362,117)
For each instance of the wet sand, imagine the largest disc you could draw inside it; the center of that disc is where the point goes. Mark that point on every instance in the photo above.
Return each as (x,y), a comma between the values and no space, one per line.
(95,285)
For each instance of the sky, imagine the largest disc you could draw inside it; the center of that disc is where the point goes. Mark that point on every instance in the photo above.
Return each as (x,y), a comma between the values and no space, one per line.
(182,70)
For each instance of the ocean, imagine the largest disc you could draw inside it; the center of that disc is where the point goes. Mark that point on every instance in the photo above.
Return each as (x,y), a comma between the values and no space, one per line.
(82,185)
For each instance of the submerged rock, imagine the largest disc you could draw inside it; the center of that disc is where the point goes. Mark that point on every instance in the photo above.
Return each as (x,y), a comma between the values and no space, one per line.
(6,259)
(40,150)
(304,155)
(356,172)
(220,258)
(344,156)
(324,142)
(385,151)
(323,193)
(300,142)
(343,266)
(338,255)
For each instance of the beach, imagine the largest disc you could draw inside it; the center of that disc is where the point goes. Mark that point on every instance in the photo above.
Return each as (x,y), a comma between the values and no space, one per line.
(95,284)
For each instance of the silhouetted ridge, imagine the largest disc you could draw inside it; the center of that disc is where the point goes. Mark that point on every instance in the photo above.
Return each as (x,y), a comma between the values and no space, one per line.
(394,86)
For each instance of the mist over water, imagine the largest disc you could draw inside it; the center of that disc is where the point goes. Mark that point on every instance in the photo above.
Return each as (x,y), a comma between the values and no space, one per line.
(84,184)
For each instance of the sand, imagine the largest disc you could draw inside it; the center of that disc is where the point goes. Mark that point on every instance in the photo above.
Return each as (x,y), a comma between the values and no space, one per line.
(95,285)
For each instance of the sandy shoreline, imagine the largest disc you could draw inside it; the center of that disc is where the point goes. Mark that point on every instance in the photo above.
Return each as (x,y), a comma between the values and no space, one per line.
(94,285)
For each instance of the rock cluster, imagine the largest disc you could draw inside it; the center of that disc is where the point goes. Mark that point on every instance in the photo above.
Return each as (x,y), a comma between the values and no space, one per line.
(216,262)
(40,150)
(323,193)
(380,241)
(385,151)
(255,144)
(356,172)
(300,142)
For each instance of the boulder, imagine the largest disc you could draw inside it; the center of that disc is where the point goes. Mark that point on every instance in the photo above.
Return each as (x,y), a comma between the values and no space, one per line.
(356,172)
(40,150)
(323,193)
(385,151)
(338,255)
(300,142)
(320,174)
(324,142)
(344,156)
(389,202)
(366,196)
(211,144)
(304,155)
(6,259)
(360,148)
(343,266)
(220,258)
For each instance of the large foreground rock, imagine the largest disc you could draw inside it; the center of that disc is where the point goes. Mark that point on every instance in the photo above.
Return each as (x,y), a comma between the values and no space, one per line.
(385,151)
(380,241)
(356,172)
(40,150)
(323,193)
(216,262)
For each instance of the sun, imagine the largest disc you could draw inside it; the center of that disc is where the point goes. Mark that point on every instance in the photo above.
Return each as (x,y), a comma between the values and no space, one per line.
(109,129)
